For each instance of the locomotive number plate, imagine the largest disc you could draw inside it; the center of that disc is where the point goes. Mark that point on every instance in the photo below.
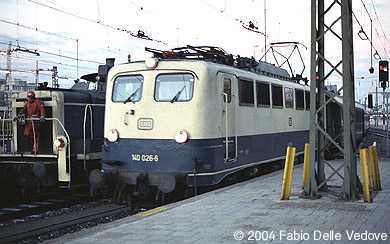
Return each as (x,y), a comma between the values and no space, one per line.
(145,124)
(144,157)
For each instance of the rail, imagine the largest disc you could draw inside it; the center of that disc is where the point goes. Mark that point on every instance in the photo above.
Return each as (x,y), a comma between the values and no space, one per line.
(13,233)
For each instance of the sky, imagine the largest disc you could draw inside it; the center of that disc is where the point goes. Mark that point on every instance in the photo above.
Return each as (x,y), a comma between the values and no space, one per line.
(93,30)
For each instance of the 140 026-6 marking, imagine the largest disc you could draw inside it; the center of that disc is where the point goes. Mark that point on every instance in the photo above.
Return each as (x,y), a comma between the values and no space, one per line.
(144,157)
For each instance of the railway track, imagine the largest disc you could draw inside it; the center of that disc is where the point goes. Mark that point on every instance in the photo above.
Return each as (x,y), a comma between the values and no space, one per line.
(375,132)
(42,203)
(43,229)
(53,226)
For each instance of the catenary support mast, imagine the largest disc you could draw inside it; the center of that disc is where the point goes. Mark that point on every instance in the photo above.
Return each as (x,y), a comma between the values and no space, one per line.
(320,97)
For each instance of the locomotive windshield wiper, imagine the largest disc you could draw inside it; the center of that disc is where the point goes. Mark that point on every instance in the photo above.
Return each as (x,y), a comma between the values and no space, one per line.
(130,98)
(174,99)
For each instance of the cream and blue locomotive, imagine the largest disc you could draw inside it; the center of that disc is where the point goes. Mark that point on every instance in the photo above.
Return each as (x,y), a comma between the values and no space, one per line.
(193,116)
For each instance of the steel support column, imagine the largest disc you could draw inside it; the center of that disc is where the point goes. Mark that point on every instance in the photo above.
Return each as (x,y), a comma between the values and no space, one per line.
(319,98)
(350,170)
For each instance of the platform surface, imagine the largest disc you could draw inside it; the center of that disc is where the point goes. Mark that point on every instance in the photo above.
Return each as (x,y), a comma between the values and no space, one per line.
(252,212)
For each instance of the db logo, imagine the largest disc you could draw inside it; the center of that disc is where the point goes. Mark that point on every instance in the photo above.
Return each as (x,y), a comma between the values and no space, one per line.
(145,124)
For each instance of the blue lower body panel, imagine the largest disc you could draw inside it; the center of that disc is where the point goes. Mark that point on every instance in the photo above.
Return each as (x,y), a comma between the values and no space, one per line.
(204,158)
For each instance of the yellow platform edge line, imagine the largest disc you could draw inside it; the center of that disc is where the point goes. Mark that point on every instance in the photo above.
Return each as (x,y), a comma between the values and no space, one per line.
(152,211)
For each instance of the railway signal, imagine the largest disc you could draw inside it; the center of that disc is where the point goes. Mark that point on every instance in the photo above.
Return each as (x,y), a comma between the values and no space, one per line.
(369,100)
(383,73)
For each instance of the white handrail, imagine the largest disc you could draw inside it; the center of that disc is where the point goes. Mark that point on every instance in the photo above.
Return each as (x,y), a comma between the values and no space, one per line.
(84,129)
(227,128)
(235,126)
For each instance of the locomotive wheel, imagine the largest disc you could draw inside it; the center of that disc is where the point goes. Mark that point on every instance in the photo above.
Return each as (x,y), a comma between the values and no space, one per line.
(118,193)
(127,198)
(160,198)
(124,195)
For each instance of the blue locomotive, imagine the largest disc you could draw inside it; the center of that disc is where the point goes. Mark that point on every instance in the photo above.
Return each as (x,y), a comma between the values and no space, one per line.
(70,141)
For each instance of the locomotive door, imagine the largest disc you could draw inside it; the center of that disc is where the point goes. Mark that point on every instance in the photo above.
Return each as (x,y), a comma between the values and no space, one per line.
(229,117)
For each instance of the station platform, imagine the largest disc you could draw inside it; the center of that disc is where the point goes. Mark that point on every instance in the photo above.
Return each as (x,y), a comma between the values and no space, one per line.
(251,212)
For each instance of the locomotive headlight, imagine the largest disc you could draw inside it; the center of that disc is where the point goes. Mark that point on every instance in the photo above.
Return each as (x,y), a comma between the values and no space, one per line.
(112,135)
(181,136)
(58,143)
(151,63)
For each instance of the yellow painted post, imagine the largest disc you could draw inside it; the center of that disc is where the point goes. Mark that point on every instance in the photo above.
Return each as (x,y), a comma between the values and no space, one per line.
(376,179)
(365,175)
(372,168)
(306,165)
(287,177)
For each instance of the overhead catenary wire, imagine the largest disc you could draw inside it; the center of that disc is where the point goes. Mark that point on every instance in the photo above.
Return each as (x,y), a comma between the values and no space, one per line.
(380,24)
(368,13)
(64,51)
(62,56)
(250,25)
(33,61)
(135,34)
(55,34)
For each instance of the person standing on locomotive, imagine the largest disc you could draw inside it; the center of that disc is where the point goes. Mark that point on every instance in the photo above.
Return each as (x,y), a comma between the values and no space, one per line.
(35,109)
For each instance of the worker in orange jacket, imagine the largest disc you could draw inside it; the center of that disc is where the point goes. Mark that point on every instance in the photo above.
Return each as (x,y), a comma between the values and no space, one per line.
(35,109)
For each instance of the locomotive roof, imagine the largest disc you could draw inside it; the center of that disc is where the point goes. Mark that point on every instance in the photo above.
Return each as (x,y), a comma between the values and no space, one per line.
(339,99)
(219,56)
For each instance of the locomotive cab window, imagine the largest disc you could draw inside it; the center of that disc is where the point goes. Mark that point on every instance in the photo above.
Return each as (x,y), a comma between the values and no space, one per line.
(299,99)
(127,88)
(246,92)
(277,96)
(263,97)
(289,97)
(307,98)
(174,87)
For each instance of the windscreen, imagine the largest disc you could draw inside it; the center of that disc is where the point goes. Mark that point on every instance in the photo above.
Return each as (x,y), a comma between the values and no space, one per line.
(128,88)
(174,87)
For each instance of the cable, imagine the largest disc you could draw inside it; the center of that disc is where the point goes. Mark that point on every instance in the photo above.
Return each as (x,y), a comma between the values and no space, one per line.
(249,26)
(63,56)
(384,34)
(8,37)
(133,34)
(36,29)
(57,35)
(364,5)
(33,61)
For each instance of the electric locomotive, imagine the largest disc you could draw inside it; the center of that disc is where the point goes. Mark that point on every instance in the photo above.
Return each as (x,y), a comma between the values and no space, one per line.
(70,141)
(193,116)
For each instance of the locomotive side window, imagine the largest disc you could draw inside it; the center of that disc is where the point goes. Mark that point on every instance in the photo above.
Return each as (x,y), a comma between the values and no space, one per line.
(263,96)
(277,96)
(174,87)
(289,97)
(227,88)
(246,92)
(307,98)
(299,99)
(127,88)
